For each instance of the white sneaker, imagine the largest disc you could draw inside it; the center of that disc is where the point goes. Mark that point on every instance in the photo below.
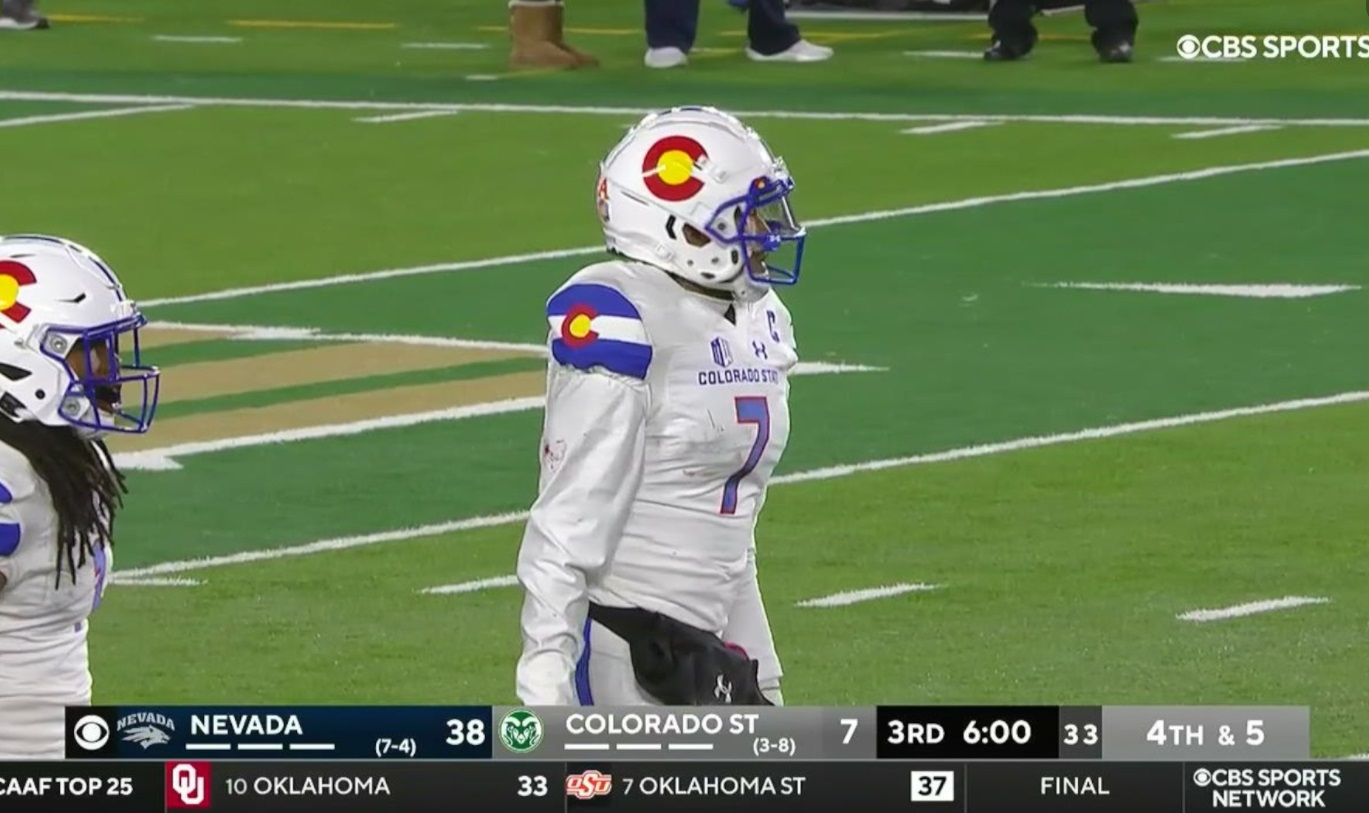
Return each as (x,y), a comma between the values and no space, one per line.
(801,51)
(665,58)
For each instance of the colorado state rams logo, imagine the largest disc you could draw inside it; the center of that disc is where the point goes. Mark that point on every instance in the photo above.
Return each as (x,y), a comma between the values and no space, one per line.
(668,168)
(13,276)
(576,330)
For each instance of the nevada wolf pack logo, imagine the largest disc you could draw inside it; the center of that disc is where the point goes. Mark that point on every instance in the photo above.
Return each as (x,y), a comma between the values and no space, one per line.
(146,729)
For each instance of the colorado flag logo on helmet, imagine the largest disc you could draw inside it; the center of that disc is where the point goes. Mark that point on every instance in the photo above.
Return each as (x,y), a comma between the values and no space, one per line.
(668,168)
(13,276)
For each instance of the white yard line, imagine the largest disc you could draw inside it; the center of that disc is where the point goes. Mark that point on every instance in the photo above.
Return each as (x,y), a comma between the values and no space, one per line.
(322,546)
(948,127)
(198,40)
(862,217)
(472,586)
(446,46)
(91,114)
(1264,291)
(390,118)
(1251,608)
(165,458)
(827,473)
(1224,131)
(849,597)
(597,110)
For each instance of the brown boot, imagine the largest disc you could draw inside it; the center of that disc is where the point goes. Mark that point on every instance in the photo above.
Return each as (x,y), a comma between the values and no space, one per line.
(535,29)
(582,59)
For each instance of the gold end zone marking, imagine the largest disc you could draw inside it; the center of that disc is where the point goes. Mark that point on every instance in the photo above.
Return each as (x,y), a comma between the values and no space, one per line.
(314,365)
(92,18)
(167,336)
(332,409)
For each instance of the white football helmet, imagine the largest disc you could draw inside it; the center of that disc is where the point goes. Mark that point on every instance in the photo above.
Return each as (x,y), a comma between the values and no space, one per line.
(701,168)
(69,351)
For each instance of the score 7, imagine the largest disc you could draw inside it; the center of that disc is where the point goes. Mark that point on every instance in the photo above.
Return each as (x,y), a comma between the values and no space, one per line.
(850,724)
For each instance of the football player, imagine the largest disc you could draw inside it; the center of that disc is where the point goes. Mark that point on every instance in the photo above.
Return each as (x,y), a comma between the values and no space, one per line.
(69,358)
(667,411)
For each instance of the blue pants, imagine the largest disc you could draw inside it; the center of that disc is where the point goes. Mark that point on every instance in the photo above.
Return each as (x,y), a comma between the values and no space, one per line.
(675,24)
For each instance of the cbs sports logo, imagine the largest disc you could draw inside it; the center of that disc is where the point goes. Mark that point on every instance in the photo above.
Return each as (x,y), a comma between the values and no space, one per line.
(1224,47)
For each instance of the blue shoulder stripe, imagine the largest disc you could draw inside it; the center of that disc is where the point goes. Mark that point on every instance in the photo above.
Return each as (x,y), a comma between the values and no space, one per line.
(605,301)
(624,358)
(9,531)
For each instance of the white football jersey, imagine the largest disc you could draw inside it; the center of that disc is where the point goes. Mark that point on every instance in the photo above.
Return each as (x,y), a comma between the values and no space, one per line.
(43,656)
(664,422)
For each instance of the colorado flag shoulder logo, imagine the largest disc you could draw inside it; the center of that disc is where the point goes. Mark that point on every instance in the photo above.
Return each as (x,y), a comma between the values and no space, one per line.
(594,325)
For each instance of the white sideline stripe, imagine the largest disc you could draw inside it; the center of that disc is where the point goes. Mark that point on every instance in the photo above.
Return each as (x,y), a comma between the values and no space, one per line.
(983,450)
(863,217)
(447,46)
(164,459)
(471,587)
(948,127)
(91,114)
(116,578)
(856,596)
(197,40)
(1357,756)
(596,110)
(1279,291)
(393,117)
(1251,608)
(947,54)
(1225,131)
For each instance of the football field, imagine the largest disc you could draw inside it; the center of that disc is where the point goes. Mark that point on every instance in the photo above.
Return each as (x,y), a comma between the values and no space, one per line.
(1084,347)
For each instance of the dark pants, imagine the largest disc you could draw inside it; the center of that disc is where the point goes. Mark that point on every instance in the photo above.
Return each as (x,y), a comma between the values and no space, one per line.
(1113,21)
(675,23)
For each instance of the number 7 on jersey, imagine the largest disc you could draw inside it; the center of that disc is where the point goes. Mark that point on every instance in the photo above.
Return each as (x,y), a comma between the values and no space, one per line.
(751,409)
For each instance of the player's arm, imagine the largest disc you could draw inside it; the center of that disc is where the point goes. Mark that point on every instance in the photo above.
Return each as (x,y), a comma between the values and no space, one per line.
(594,445)
(749,627)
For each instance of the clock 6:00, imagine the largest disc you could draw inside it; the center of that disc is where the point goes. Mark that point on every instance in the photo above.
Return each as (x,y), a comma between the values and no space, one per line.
(998,732)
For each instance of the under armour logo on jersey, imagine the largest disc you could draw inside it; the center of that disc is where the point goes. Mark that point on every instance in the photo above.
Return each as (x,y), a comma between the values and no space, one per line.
(722,352)
(723,691)
(760,350)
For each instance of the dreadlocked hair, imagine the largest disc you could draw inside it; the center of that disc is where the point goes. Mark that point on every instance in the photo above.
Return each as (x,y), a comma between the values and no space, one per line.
(87,489)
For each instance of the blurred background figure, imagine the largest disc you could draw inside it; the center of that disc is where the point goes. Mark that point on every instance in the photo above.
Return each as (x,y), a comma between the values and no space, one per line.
(20,15)
(671,26)
(1114,28)
(536,28)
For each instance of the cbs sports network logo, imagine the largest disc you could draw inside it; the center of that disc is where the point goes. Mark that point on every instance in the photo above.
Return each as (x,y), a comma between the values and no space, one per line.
(1243,47)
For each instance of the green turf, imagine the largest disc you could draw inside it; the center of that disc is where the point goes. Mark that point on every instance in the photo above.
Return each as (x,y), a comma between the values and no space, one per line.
(1061,584)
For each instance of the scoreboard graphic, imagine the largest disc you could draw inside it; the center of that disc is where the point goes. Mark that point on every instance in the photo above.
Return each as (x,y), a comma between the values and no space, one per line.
(993,759)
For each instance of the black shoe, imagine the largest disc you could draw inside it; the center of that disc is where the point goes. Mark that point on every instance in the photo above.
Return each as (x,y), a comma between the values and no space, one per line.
(1117,53)
(999,52)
